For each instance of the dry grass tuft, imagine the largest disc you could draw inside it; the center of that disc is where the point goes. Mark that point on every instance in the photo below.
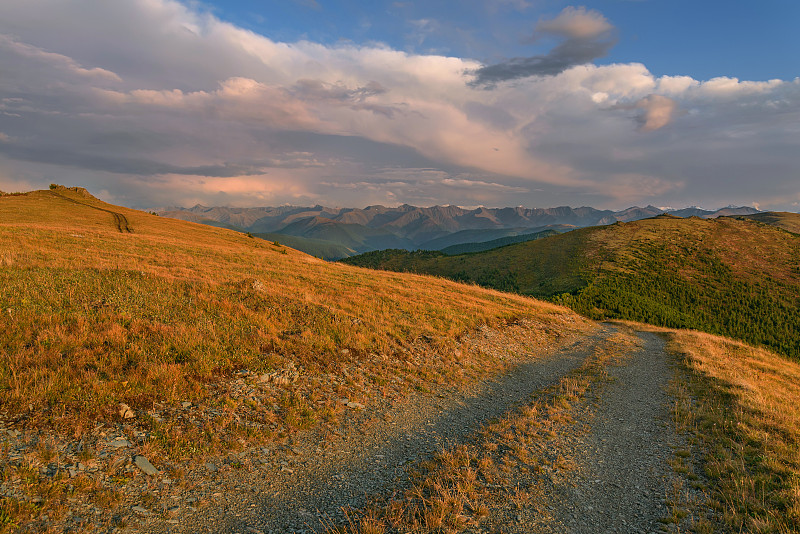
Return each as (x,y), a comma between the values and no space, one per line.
(746,416)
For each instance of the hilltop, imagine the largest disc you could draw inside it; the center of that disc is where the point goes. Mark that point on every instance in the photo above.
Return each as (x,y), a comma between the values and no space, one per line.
(782,219)
(729,276)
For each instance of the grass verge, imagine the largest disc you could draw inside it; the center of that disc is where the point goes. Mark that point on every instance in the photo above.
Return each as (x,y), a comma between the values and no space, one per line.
(744,413)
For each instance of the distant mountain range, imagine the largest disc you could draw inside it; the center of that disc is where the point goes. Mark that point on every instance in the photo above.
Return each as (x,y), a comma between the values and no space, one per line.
(335,233)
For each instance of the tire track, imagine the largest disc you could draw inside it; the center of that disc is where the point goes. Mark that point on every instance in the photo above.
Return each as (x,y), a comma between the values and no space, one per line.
(120,221)
(296,491)
(621,447)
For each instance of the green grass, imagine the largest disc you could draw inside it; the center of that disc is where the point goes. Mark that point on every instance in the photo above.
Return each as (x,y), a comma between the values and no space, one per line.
(544,267)
(466,248)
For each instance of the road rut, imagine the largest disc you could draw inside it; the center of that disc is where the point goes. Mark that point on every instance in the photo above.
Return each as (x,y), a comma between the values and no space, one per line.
(301,488)
(621,447)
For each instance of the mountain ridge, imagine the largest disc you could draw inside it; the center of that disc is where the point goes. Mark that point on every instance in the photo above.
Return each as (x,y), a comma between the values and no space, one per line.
(378,227)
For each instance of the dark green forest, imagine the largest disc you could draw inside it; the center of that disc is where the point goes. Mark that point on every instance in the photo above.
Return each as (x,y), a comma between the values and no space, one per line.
(729,277)
(762,311)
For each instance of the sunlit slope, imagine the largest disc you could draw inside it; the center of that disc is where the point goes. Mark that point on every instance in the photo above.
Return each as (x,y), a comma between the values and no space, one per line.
(782,219)
(743,410)
(102,303)
(730,276)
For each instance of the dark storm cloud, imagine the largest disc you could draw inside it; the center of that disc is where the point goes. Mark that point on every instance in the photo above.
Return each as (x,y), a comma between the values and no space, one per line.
(588,36)
(121,165)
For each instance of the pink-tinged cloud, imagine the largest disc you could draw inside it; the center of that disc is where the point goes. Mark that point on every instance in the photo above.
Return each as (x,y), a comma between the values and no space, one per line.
(657,112)
(157,102)
(576,23)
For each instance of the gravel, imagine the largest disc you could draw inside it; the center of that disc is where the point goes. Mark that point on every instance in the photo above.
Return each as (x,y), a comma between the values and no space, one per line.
(622,445)
(305,484)
(619,443)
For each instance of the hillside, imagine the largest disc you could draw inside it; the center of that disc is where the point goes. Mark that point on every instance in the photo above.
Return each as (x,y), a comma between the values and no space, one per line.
(466,248)
(95,296)
(782,219)
(354,236)
(162,375)
(324,250)
(728,276)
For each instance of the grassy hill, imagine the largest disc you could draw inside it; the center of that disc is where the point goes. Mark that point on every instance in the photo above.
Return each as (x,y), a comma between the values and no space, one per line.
(728,276)
(782,219)
(326,250)
(103,304)
(353,236)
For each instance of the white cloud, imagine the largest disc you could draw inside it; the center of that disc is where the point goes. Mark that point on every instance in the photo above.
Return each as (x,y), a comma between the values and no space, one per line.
(724,86)
(676,85)
(108,92)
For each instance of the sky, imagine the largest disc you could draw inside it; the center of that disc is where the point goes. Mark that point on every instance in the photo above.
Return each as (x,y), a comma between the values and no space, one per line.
(539,103)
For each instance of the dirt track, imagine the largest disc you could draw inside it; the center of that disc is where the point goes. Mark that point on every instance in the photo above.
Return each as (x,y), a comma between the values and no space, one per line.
(120,221)
(621,447)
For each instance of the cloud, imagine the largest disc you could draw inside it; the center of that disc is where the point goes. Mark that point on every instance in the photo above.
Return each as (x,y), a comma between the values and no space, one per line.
(143,167)
(577,23)
(656,111)
(320,90)
(157,102)
(15,50)
(238,98)
(587,35)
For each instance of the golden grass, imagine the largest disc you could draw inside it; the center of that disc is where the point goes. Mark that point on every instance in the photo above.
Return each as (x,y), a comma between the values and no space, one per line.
(92,316)
(746,415)
(102,305)
(752,251)
(782,219)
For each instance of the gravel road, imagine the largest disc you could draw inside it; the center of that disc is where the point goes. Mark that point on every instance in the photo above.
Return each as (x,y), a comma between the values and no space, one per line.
(622,481)
(297,488)
(623,475)
(618,446)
